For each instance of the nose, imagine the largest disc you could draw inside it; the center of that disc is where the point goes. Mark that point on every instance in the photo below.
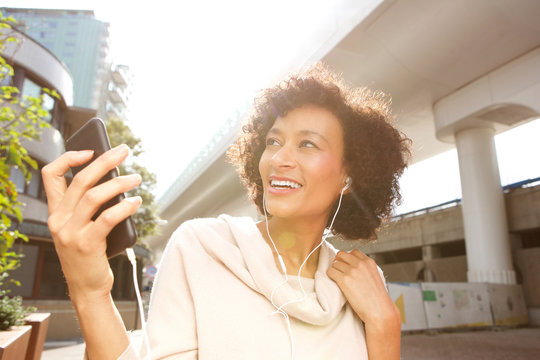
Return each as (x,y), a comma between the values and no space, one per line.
(284,158)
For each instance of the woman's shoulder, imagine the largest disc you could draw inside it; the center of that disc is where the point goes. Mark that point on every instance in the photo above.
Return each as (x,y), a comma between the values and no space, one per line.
(220,226)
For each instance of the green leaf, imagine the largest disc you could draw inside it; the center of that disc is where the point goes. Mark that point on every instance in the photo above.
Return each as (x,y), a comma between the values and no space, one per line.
(18,214)
(13,157)
(33,163)
(6,221)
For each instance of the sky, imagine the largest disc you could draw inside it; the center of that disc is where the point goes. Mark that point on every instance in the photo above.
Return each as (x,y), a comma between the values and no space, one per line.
(196,62)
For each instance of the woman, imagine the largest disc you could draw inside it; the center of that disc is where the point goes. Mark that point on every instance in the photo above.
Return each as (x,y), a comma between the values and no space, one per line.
(315,154)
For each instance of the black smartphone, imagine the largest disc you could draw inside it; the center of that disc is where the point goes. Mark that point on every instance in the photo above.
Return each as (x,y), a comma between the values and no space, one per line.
(93,136)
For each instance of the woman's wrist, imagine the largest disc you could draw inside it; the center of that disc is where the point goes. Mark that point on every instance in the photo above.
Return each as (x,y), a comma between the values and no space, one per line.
(84,301)
(384,321)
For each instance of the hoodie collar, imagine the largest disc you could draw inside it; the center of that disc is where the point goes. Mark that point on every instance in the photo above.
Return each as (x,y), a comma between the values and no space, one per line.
(266,278)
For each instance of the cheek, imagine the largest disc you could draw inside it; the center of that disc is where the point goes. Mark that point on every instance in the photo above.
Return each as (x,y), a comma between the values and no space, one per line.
(324,169)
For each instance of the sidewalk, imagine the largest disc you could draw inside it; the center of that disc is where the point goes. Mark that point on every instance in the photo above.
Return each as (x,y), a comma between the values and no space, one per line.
(506,344)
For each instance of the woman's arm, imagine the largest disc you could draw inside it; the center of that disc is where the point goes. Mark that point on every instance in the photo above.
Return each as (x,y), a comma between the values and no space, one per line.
(81,242)
(383,337)
(358,277)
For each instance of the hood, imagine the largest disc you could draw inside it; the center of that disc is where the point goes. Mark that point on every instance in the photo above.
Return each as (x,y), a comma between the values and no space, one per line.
(240,246)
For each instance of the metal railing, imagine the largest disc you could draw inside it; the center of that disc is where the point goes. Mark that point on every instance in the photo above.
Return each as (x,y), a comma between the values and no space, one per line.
(455,202)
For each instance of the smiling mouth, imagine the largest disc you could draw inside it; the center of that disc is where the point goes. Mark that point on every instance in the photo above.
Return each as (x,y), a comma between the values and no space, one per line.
(284,184)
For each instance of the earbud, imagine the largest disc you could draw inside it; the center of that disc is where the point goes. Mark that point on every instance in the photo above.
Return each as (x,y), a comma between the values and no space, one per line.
(348,184)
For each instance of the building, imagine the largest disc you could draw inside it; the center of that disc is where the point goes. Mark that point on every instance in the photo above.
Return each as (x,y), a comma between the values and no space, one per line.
(78,39)
(42,282)
(459,72)
(115,93)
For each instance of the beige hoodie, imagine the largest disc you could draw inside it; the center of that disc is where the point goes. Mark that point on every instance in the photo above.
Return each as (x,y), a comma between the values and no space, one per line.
(211,300)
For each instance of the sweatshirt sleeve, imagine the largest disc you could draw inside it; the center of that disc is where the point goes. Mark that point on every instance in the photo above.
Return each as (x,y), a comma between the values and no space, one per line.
(171,326)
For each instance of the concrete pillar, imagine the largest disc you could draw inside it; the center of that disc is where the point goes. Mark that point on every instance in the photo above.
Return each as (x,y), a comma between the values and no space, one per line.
(429,252)
(484,215)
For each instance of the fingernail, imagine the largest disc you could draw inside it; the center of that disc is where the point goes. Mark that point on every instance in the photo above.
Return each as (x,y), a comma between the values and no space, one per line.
(85,153)
(120,148)
(135,177)
(134,200)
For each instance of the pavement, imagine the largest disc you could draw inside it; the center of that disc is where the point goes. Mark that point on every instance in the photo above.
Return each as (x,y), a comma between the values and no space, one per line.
(495,344)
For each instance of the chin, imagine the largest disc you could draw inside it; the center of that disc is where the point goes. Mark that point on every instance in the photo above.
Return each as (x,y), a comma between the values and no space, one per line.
(282,212)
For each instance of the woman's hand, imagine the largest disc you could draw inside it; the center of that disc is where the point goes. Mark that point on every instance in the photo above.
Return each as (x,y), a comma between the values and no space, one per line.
(79,241)
(358,278)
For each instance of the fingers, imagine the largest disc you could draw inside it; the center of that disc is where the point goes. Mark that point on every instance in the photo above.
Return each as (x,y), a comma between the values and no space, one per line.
(351,262)
(90,175)
(114,215)
(53,175)
(94,198)
(341,266)
(351,258)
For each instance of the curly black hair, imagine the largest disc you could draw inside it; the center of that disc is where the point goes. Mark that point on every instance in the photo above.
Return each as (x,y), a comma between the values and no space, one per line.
(375,152)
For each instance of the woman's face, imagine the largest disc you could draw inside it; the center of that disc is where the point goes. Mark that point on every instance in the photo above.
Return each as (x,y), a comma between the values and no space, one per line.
(302,165)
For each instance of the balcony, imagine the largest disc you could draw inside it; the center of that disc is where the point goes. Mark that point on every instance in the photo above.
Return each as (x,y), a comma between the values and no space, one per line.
(116,94)
(119,75)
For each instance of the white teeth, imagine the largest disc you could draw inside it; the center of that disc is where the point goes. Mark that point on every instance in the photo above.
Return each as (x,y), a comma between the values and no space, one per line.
(283,183)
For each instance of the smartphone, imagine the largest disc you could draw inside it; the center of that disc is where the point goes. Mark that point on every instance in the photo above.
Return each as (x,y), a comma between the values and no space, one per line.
(93,136)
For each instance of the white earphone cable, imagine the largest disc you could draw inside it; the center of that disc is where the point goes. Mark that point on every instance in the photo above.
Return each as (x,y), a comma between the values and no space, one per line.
(279,309)
(309,255)
(131,256)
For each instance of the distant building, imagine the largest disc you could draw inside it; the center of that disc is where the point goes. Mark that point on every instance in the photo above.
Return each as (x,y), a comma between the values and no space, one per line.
(115,93)
(78,39)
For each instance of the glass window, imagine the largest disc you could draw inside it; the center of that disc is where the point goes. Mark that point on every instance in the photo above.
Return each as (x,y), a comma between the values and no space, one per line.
(16,176)
(32,188)
(30,88)
(48,45)
(48,104)
(5,78)
(35,183)
(26,272)
(5,81)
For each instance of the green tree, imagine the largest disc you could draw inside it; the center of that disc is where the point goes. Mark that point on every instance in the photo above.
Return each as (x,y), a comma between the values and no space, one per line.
(146,219)
(21,118)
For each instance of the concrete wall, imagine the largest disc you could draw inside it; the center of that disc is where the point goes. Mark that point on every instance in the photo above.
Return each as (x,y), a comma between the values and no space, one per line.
(450,269)
(64,324)
(527,262)
(523,209)
(402,272)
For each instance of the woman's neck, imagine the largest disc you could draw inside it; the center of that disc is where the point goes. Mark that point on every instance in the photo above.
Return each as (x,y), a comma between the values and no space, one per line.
(294,240)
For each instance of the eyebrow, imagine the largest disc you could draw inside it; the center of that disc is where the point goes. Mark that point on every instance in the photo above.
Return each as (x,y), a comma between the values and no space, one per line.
(277,131)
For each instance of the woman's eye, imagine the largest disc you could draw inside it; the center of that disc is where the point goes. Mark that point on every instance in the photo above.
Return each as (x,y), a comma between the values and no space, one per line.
(271,141)
(308,144)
